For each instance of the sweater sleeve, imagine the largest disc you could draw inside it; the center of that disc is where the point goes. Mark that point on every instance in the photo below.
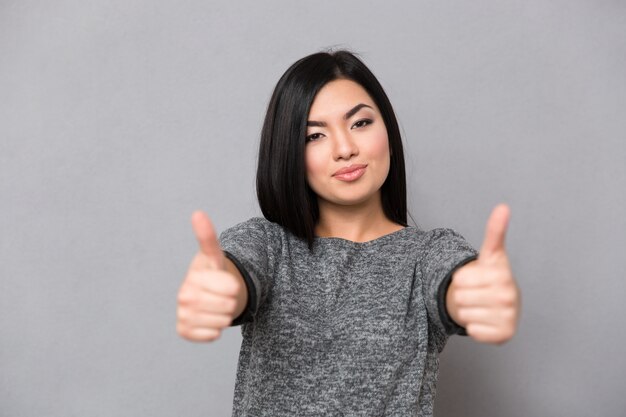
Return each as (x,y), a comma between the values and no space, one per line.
(446,251)
(250,248)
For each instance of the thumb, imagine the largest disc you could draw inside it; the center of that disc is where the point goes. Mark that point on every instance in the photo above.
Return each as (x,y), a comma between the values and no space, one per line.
(210,250)
(495,232)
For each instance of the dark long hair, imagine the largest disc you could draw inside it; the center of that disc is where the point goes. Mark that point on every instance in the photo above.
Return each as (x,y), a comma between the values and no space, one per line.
(283,192)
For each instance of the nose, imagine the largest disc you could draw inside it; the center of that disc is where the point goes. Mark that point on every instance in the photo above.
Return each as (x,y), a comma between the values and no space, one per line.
(345,146)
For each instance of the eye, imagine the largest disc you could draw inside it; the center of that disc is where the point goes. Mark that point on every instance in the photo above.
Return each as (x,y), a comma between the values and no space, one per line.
(312,137)
(362,123)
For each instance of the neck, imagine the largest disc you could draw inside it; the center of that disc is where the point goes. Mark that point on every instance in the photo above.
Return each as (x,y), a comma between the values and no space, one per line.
(358,222)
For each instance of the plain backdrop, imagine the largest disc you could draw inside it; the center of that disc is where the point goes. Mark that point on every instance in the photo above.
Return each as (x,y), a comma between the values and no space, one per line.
(118,119)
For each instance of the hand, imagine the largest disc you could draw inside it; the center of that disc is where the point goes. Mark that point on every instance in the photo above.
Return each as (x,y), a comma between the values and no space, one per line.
(207,299)
(483,296)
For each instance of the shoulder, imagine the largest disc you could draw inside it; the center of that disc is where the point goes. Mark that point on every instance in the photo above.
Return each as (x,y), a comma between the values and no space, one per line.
(428,237)
(433,241)
(445,240)
(254,223)
(441,234)
(257,229)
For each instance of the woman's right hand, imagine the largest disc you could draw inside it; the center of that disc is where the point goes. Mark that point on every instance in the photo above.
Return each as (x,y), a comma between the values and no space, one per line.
(211,295)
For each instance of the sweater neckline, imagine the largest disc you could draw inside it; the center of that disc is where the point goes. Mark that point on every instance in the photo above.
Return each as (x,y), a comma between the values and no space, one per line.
(375,241)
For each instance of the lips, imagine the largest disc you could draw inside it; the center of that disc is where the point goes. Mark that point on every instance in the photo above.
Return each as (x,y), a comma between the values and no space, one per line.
(351,173)
(348,169)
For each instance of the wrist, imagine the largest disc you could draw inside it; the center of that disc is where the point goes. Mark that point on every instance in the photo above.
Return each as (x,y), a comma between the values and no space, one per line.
(451,305)
(447,303)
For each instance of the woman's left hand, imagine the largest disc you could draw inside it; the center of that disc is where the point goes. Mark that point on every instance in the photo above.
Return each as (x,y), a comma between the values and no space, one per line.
(483,296)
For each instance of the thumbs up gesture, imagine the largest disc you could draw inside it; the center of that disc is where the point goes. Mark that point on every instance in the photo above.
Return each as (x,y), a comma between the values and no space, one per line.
(483,296)
(213,292)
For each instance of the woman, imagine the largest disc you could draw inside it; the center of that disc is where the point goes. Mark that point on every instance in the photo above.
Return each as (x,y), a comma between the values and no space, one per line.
(344,307)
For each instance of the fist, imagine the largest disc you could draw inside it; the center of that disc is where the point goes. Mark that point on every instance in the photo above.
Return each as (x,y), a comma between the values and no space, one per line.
(483,296)
(207,299)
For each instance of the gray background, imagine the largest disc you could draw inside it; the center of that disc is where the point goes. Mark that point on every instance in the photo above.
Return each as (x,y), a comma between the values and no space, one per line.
(119,118)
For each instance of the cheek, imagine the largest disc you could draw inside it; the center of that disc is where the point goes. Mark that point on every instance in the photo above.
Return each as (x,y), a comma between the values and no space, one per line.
(381,145)
(314,164)
(379,148)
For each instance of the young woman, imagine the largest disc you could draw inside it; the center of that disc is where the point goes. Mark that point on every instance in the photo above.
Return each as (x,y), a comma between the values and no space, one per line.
(344,307)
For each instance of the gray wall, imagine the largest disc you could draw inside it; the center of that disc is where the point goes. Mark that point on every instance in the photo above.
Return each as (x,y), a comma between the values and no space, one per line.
(119,118)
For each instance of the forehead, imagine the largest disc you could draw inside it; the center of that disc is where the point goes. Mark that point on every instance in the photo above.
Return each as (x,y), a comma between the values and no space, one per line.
(338,96)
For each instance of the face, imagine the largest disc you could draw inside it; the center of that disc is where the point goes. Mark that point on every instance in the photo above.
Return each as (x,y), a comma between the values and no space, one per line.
(346,131)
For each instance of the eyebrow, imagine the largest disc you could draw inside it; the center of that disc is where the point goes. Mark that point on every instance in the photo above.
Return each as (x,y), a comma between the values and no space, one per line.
(346,116)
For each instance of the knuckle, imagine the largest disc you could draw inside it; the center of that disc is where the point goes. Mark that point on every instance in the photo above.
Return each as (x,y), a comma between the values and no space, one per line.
(238,287)
(193,298)
(226,322)
(471,330)
(507,334)
(213,335)
(231,284)
(182,330)
(229,305)
(463,314)
(507,297)
(191,278)
(508,314)
(459,298)
(183,296)
(182,315)
(511,333)
(188,294)
(198,334)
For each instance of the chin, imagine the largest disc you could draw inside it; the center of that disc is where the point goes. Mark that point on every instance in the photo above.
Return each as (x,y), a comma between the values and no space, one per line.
(352,200)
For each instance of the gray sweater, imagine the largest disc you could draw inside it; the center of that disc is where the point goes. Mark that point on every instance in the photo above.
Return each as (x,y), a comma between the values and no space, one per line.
(347,329)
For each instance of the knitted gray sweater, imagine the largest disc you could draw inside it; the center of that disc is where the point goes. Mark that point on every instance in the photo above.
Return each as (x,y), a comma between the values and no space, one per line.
(347,329)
